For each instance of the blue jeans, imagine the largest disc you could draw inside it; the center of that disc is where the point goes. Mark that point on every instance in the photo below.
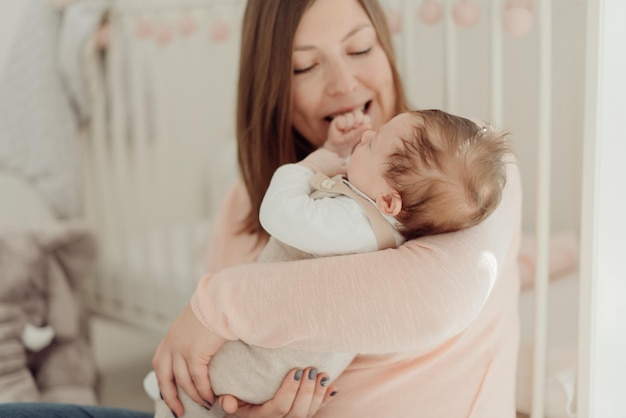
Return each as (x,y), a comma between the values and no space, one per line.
(50,410)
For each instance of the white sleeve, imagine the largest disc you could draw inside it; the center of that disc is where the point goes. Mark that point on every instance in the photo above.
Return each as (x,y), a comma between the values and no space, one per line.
(327,226)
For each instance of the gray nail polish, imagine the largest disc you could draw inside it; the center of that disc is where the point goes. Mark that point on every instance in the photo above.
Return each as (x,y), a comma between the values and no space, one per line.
(298,375)
(323,381)
(312,373)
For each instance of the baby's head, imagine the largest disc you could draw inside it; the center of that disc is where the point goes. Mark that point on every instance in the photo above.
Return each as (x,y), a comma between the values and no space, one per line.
(440,172)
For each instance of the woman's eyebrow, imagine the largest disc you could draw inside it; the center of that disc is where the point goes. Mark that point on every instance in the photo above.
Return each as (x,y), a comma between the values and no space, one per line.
(357,29)
(348,35)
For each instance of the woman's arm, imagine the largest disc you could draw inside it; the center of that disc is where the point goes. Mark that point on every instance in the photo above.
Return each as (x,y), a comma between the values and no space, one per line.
(182,356)
(411,298)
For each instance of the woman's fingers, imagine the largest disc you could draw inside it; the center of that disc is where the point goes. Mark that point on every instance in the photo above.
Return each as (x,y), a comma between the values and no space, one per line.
(278,407)
(331,392)
(319,394)
(183,379)
(182,358)
(304,397)
(286,395)
(162,365)
(200,378)
(302,394)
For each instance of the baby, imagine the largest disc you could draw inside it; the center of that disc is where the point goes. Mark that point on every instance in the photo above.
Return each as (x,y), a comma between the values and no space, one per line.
(424,172)
(428,172)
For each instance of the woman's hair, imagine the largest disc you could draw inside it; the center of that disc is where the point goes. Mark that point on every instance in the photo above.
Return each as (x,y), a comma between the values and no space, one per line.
(266,138)
(449,171)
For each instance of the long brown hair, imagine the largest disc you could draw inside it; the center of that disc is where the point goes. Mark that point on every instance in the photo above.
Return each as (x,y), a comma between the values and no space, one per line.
(266,138)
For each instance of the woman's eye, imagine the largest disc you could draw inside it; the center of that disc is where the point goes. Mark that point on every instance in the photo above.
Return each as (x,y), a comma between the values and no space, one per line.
(303,70)
(361,52)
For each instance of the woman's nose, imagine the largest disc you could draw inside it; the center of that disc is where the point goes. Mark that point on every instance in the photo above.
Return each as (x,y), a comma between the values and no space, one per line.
(341,79)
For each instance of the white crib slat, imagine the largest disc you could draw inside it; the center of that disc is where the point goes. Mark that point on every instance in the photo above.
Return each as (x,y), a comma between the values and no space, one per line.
(145,290)
(451,89)
(165,142)
(96,164)
(410,70)
(184,162)
(543,208)
(107,205)
(495,13)
(120,170)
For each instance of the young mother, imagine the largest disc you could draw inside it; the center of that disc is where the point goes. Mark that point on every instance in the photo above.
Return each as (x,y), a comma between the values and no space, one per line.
(435,320)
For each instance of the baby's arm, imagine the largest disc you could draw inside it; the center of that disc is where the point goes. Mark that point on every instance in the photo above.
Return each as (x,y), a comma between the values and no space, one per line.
(325,161)
(327,226)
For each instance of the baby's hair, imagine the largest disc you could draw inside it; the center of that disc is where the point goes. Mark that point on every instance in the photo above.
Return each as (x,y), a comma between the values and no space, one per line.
(449,172)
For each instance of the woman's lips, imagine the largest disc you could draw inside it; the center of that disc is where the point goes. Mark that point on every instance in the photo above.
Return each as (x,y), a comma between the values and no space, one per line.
(365,108)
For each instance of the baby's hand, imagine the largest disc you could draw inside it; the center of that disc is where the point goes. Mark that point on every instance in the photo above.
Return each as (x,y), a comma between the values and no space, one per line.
(345,132)
(325,161)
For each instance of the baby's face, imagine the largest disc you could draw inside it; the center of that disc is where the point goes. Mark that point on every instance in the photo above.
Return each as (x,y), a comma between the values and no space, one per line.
(367,163)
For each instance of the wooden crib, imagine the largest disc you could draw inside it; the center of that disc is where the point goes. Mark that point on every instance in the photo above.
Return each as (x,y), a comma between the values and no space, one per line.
(160,153)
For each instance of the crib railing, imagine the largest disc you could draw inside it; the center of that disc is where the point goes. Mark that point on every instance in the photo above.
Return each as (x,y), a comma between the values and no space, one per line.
(159,153)
(160,150)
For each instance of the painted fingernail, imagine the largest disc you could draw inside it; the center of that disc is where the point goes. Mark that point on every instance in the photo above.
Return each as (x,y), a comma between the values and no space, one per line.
(161,395)
(323,381)
(176,416)
(312,373)
(208,403)
(298,375)
(333,393)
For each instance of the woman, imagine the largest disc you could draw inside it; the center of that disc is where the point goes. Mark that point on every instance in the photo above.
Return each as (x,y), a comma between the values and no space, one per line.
(435,319)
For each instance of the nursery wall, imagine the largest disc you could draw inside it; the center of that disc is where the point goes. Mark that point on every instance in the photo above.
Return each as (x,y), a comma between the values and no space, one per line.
(10,14)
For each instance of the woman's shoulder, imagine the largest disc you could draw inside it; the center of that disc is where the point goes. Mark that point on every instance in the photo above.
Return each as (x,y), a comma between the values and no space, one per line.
(233,208)
(237,196)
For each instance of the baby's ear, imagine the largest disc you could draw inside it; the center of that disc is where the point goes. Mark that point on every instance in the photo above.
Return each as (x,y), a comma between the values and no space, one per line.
(390,203)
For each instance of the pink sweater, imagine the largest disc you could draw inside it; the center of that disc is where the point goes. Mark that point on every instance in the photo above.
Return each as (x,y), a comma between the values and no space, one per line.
(436,319)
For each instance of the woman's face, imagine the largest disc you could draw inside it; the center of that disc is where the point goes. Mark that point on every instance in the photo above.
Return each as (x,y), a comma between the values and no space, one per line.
(339,65)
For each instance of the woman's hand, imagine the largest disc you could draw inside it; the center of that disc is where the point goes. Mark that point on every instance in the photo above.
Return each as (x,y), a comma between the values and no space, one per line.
(182,358)
(302,394)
